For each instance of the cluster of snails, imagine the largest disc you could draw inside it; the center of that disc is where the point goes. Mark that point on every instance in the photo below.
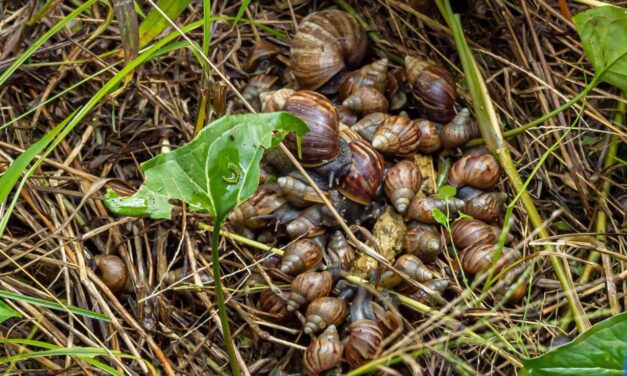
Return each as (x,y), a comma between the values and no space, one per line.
(361,156)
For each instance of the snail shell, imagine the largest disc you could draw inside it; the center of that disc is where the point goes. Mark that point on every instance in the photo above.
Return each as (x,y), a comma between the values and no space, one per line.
(437,285)
(326,42)
(309,222)
(429,139)
(348,134)
(371,75)
(255,213)
(323,312)
(410,265)
(422,241)
(339,252)
(388,321)
(274,305)
(434,87)
(301,255)
(260,56)
(397,135)
(478,170)
(324,352)
(346,116)
(366,100)
(297,193)
(365,175)
(459,130)
(367,125)
(509,280)
(486,206)
(467,232)
(257,85)
(113,273)
(307,287)
(478,258)
(421,207)
(401,183)
(363,342)
(272,101)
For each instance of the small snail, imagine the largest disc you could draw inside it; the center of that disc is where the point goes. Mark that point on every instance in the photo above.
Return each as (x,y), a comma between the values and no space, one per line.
(363,342)
(257,85)
(297,193)
(423,241)
(339,252)
(346,115)
(371,75)
(434,87)
(421,207)
(255,213)
(429,139)
(320,144)
(181,275)
(467,232)
(486,206)
(274,305)
(397,135)
(301,255)
(324,311)
(324,352)
(348,134)
(401,183)
(366,100)
(307,287)
(437,285)
(365,175)
(260,56)
(477,170)
(272,101)
(459,130)
(509,280)
(326,43)
(309,222)
(367,125)
(113,273)
(479,258)
(410,265)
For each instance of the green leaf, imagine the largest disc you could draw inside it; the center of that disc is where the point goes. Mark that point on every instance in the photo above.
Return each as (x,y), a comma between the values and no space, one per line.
(603,33)
(447,192)
(7,312)
(52,305)
(216,171)
(599,351)
(155,23)
(440,217)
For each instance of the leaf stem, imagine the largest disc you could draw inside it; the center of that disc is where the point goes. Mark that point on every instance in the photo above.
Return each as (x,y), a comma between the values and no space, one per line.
(219,293)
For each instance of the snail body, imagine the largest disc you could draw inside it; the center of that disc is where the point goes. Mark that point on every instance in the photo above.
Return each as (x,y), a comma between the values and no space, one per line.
(401,183)
(367,125)
(301,255)
(324,352)
(434,87)
(307,287)
(397,135)
(477,170)
(323,312)
(326,42)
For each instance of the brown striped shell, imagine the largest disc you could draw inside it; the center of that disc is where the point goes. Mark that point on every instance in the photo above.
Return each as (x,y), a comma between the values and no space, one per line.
(367,125)
(397,135)
(323,312)
(363,342)
(477,170)
(479,258)
(468,232)
(339,252)
(421,207)
(324,352)
(371,75)
(423,241)
(367,100)
(301,255)
(429,136)
(486,206)
(260,56)
(459,130)
(401,183)
(308,286)
(272,101)
(434,87)
(365,175)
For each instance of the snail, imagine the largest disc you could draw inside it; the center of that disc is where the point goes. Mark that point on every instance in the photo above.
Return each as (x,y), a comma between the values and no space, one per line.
(309,222)
(339,252)
(410,265)
(394,88)
(423,241)
(260,56)
(429,139)
(366,100)
(319,145)
(459,130)
(324,311)
(365,174)
(367,125)
(486,206)
(256,212)
(301,255)
(308,286)
(326,43)
(257,85)
(479,258)
(297,193)
(363,342)
(434,87)
(346,115)
(331,172)
(324,352)
(469,232)
(397,135)
(348,134)
(437,285)
(421,207)
(509,280)
(401,183)
(182,275)
(477,170)
(372,75)
(272,101)
(113,273)
(274,306)
(363,307)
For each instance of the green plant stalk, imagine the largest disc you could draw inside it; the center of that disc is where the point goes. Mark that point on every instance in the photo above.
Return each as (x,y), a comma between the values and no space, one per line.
(219,293)
(491,133)
(601,220)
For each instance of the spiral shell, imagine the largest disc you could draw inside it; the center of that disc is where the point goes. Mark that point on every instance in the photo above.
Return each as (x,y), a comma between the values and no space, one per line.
(339,252)
(486,206)
(257,85)
(325,43)
(363,342)
(367,100)
(479,258)
(324,352)
(307,287)
(260,56)
(365,175)
(272,101)
(421,207)
(323,312)
(429,139)
(301,255)
(320,144)
(410,265)
(434,87)
(437,285)
(255,212)
(297,193)
(467,232)
(397,135)
(459,130)
(401,183)
(113,273)
(371,75)
(274,305)
(478,170)
(422,241)
(309,223)
(367,125)
(346,116)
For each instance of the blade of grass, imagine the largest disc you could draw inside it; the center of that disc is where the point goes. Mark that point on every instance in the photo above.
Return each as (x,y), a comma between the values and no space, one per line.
(129,31)
(240,11)
(155,23)
(491,133)
(54,306)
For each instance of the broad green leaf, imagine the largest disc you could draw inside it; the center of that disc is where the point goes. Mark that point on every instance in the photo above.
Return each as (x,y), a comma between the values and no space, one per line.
(7,312)
(600,351)
(215,172)
(447,192)
(155,23)
(440,217)
(603,33)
